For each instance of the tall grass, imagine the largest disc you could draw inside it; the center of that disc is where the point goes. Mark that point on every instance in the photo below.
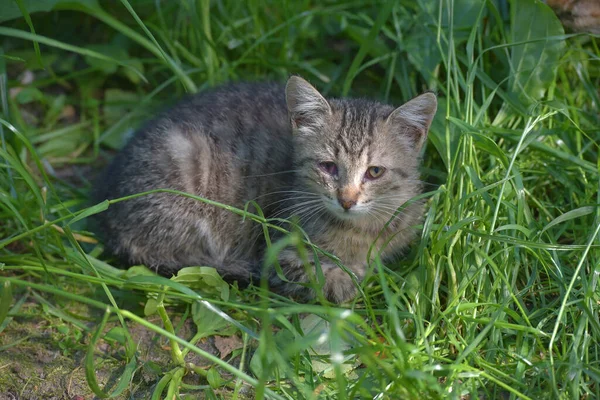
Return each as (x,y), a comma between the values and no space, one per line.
(498,299)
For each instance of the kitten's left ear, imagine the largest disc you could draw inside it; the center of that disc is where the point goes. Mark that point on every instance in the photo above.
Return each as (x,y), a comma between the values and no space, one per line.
(305,104)
(414,118)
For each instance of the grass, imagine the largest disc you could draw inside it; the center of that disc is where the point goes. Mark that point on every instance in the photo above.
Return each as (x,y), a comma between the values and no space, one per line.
(498,299)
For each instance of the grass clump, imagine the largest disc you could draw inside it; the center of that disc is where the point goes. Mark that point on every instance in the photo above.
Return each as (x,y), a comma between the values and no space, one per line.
(498,299)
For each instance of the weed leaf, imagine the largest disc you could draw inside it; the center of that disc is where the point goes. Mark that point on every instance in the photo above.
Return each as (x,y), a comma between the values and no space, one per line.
(534,59)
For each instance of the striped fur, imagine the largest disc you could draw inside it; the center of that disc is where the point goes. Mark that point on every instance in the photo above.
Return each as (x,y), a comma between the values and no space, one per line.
(266,143)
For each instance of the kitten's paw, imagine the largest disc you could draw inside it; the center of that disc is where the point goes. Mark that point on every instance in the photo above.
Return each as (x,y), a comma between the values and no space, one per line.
(339,286)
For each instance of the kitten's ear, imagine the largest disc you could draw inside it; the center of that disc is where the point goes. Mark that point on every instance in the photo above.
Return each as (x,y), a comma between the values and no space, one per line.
(414,118)
(305,104)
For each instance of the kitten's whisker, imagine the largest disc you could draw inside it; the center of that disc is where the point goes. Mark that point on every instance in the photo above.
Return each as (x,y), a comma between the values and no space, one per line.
(398,193)
(282,191)
(372,214)
(390,214)
(320,211)
(376,213)
(421,182)
(293,196)
(307,217)
(392,196)
(394,205)
(300,204)
(392,209)
(388,206)
(385,214)
(385,218)
(271,174)
(288,199)
(296,208)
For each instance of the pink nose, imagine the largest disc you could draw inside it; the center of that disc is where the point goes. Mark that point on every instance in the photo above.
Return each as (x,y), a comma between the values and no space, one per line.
(346,203)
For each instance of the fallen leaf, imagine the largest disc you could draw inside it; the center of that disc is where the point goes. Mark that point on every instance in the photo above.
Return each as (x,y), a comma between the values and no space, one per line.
(68,112)
(227,344)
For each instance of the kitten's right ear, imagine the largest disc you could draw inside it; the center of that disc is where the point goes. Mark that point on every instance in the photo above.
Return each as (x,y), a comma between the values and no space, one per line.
(305,104)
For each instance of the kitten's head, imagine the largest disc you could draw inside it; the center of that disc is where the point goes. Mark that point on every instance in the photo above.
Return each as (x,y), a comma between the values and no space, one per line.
(361,158)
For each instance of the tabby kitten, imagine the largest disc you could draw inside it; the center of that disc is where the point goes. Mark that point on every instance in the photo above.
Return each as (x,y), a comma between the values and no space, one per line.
(342,166)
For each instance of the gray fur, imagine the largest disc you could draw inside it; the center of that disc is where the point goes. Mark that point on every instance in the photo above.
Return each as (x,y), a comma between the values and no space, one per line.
(264,142)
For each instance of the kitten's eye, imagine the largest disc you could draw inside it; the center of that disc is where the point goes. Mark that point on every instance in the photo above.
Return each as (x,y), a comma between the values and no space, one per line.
(374,172)
(329,167)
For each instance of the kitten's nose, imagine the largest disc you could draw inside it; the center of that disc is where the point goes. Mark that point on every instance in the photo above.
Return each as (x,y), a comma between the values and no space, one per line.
(347,197)
(346,203)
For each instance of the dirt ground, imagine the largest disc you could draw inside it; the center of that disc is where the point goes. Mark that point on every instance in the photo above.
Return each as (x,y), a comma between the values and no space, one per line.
(43,358)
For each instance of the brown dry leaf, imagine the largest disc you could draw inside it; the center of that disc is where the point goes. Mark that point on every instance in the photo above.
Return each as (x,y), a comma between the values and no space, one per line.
(68,112)
(227,344)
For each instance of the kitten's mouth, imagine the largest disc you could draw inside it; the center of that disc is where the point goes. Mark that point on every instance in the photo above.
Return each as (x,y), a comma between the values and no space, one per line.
(346,214)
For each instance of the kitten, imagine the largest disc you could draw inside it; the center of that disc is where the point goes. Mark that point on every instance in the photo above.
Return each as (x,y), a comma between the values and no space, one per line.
(342,166)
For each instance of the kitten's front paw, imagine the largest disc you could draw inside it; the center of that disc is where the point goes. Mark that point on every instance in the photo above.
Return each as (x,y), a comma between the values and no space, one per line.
(339,286)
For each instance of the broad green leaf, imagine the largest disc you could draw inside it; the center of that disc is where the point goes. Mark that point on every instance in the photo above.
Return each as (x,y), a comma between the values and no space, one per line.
(159,280)
(29,95)
(423,45)
(422,51)
(257,367)
(205,279)
(213,378)
(138,270)
(9,9)
(207,322)
(535,55)
(106,66)
(151,307)
(117,334)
